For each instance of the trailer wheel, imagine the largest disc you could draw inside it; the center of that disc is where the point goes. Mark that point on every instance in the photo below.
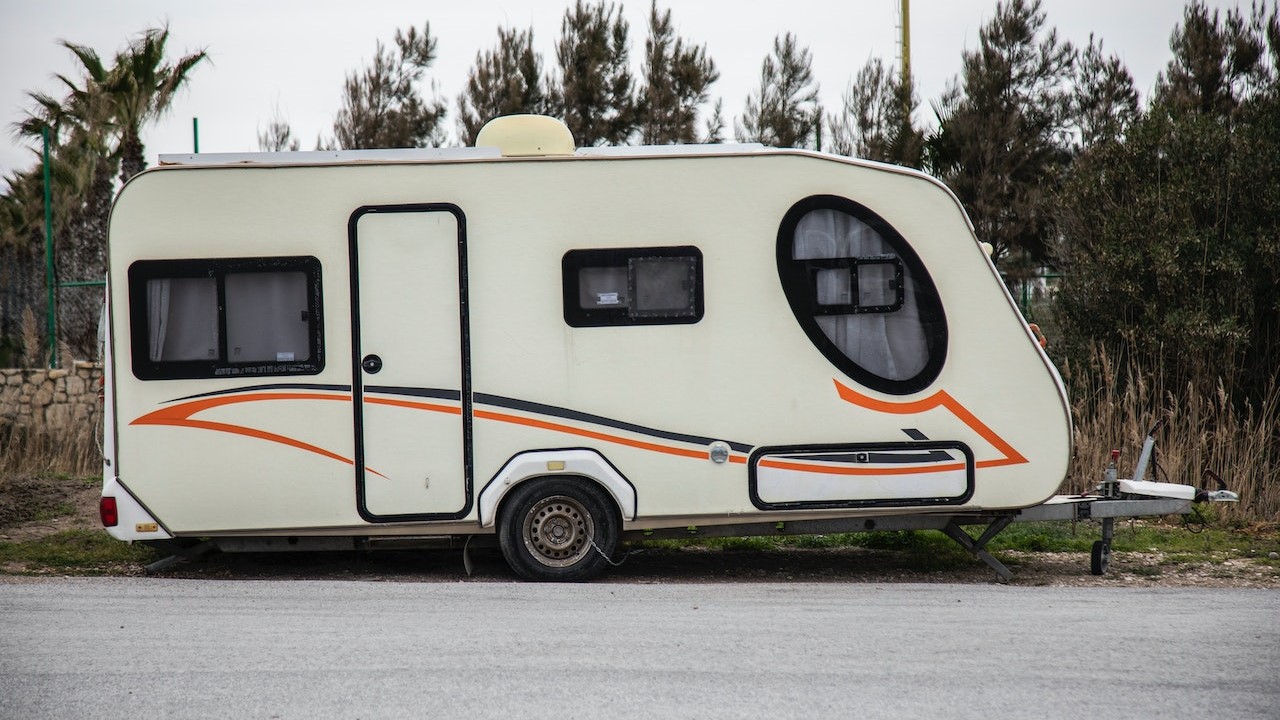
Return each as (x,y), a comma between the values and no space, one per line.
(1100,557)
(558,529)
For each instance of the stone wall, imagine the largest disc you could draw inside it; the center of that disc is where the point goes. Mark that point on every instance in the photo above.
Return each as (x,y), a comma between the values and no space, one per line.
(54,399)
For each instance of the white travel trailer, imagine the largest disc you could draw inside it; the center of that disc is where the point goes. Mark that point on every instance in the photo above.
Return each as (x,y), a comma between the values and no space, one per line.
(563,347)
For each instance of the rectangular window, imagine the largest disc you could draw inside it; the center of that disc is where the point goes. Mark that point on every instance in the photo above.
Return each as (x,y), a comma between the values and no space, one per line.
(851,285)
(632,286)
(225,317)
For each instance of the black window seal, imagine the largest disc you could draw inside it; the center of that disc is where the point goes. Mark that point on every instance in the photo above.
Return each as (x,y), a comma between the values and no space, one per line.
(141,271)
(851,265)
(797,286)
(576,260)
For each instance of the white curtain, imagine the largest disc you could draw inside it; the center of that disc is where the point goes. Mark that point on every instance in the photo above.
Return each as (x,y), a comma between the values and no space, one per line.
(182,319)
(891,344)
(157,317)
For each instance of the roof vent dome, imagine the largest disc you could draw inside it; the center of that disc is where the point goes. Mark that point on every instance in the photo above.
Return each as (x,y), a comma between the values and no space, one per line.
(526,136)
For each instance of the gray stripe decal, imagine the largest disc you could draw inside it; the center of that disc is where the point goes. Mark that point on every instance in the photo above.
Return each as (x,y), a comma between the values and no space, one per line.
(497,401)
(273,386)
(434,393)
(540,409)
(875,457)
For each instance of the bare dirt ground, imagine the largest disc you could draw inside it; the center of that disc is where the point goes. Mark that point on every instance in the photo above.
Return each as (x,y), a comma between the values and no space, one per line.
(58,503)
(71,504)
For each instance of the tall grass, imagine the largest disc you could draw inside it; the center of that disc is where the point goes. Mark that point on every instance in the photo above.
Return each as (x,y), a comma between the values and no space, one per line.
(1115,405)
(73,450)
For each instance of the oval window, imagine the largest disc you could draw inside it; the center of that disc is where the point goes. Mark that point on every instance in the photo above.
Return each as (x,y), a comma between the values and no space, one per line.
(861,294)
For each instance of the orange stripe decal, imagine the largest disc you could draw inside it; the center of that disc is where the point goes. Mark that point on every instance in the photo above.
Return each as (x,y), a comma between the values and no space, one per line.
(180,416)
(432,407)
(944,400)
(557,427)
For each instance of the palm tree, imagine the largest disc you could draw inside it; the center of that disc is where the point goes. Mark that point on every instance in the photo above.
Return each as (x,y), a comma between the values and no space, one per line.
(140,88)
(106,113)
(83,159)
(95,130)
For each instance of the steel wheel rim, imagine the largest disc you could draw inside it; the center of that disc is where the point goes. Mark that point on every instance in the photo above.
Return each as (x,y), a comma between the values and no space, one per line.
(558,531)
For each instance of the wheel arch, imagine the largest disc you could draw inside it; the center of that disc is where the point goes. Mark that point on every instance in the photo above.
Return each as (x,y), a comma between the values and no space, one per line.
(584,463)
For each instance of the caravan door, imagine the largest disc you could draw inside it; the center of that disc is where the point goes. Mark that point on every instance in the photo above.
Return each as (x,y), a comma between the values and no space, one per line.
(410,387)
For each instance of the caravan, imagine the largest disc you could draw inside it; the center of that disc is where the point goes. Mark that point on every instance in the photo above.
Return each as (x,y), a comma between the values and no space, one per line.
(563,347)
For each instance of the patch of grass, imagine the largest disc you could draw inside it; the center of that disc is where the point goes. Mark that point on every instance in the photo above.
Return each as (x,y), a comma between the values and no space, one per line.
(1044,537)
(59,510)
(78,550)
(1170,537)
(925,550)
(931,550)
(756,543)
(934,552)
(894,540)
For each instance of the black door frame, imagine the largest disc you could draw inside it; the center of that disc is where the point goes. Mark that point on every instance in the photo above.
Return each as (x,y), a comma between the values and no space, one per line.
(357,377)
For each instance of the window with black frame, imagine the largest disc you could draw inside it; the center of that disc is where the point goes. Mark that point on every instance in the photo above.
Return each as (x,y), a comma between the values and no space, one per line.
(225,317)
(632,286)
(861,294)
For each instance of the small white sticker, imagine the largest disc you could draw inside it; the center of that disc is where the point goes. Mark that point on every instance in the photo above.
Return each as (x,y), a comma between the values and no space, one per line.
(607,298)
(284,357)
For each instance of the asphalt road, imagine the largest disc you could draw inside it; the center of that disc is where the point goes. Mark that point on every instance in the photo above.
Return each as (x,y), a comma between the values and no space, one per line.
(153,648)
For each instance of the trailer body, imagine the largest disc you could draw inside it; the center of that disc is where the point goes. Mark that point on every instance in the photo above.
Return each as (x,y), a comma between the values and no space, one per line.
(401,343)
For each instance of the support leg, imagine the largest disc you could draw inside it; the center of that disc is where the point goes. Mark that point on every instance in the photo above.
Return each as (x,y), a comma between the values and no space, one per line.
(1100,556)
(955,532)
(190,553)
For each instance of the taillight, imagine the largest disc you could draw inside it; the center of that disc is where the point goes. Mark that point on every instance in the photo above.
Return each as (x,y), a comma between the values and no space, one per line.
(107,510)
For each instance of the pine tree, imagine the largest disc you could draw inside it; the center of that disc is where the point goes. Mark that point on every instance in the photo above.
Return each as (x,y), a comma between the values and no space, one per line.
(1002,141)
(504,81)
(278,136)
(1104,100)
(382,105)
(1171,231)
(875,123)
(784,110)
(596,95)
(677,76)
(713,131)
(1218,64)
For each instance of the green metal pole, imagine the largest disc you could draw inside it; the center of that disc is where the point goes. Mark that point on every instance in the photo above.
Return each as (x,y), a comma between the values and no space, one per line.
(195,135)
(51,326)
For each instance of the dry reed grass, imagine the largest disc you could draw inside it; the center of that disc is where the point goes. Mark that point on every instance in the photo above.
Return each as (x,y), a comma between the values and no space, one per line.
(31,344)
(35,451)
(1204,428)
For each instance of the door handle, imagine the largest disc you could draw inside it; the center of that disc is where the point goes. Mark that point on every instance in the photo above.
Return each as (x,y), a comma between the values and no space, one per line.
(371,364)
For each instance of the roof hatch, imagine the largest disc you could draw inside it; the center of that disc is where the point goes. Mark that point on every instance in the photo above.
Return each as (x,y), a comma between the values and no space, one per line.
(526,136)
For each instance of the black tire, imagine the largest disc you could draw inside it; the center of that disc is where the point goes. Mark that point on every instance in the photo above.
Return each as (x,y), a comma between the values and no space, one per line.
(1100,557)
(559,529)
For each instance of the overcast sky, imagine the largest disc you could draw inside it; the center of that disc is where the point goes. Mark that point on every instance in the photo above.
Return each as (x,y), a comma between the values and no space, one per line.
(293,56)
